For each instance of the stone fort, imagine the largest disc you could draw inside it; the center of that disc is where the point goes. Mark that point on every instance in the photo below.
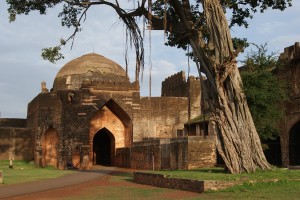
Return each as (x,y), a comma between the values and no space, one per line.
(95,115)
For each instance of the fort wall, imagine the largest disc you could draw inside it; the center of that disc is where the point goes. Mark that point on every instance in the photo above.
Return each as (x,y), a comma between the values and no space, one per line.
(16,141)
(175,153)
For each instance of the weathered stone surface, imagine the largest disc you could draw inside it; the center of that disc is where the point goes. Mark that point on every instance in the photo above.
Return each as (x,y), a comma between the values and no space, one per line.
(168,182)
(15,142)
(290,123)
(176,153)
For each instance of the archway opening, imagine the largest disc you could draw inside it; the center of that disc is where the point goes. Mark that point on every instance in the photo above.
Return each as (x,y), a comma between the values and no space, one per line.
(104,148)
(294,147)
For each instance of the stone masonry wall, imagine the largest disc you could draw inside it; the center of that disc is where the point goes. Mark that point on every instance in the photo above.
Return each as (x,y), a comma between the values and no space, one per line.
(164,181)
(145,154)
(175,85)
(179,153)
(160,117)
(16,143)
(291,74)
(176,153)
(201,152)
(123,157)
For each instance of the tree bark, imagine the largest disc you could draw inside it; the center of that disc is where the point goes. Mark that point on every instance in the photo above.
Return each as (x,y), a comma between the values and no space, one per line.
(235,134)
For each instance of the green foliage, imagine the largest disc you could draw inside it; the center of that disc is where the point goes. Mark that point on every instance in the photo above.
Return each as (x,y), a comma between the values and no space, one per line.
(52,53)
(74,12)
(244,9)
(240,11)
(264,91)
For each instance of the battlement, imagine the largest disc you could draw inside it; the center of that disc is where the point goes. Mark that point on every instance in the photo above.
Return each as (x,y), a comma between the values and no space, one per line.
(291,52)
(175,85)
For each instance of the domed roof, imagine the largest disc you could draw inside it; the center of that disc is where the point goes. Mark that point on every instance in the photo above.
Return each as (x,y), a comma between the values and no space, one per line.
(89,67)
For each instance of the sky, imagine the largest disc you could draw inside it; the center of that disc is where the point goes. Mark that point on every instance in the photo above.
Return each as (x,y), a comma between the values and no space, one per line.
(22,68)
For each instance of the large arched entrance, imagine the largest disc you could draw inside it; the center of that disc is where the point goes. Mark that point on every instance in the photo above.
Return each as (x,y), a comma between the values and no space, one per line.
(294,147)
(104,148)
(110,125)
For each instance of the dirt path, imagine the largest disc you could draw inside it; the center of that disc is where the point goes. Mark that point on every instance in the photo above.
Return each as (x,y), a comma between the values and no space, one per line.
(50,184)
(116,185)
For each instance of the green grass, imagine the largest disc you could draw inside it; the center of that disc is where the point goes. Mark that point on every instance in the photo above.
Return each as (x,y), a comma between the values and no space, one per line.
(121,186)
(115,189)
(219,174)
(261,190)
(26,171)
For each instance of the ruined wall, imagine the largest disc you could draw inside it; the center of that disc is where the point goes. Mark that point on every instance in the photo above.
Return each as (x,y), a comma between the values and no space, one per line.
(176,153)
(145,154)
(160,180)
(175,86)
(201,152)
(123,157)
(12,122)
(179,153)
(16,141)
(160,117)
(196,101)
(44,112)
(291,74)
(178,86)
(291,70)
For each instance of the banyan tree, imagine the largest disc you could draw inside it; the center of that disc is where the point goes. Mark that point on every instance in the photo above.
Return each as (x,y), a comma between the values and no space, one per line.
(202,25)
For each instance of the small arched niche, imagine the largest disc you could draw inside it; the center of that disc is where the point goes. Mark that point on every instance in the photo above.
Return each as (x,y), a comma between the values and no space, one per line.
(50,147)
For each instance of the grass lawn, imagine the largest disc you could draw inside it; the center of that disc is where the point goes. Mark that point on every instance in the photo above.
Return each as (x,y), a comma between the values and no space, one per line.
(121,187)
(281,174)
(26,171)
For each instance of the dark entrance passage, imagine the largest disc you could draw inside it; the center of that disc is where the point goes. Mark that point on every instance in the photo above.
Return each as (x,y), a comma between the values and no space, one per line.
(294,150)
(104,148)
(273,152)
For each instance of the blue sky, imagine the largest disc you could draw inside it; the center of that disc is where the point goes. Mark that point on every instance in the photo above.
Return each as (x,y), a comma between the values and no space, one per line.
(22,69)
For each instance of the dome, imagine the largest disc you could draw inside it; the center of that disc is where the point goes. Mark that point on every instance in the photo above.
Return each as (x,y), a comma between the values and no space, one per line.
(89,67)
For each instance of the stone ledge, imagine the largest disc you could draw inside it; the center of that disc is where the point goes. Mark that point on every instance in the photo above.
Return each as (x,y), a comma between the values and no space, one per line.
(166,181)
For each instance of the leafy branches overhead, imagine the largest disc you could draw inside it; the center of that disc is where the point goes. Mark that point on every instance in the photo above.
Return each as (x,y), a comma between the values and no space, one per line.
(244,9)
(264,91)
(164,16)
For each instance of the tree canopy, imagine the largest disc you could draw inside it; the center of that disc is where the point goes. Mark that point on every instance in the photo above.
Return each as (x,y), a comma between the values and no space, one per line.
(203,26)
(264,91)
(160,14)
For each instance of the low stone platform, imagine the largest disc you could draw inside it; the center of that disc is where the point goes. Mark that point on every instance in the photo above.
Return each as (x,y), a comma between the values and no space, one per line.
(294,167)
(166,181)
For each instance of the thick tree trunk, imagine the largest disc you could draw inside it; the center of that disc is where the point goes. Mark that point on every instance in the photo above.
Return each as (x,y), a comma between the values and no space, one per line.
(235,134)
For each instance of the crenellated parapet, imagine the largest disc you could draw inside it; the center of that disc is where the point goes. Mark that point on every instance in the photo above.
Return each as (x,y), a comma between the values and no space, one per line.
(292,52)
(175,85)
